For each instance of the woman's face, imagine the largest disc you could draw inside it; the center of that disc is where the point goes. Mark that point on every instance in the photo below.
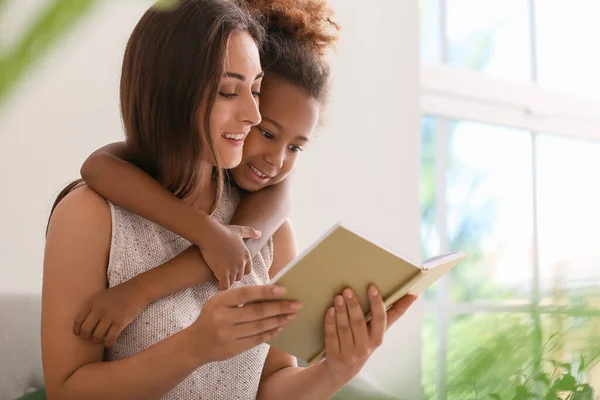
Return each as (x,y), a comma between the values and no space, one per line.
(235,110)
(289,116)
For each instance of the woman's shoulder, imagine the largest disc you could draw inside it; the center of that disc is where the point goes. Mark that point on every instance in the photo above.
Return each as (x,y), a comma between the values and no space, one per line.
(82,199)
(82,211)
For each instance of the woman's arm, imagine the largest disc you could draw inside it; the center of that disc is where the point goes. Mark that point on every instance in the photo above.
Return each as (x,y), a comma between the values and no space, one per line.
(281,376)
(75,261)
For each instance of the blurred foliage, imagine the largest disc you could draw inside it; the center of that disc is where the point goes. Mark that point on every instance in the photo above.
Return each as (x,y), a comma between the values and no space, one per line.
(47,28)
(493,356)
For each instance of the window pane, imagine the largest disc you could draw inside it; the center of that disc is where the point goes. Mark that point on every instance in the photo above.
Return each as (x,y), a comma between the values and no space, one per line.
(430,238)
(489,211)
(569,213)
(485,351)
(431,49)
(429,335)
(429,235)
(567,43)
(491,36)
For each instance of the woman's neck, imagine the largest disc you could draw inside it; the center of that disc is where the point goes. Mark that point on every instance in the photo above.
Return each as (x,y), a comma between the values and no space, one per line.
(203,197)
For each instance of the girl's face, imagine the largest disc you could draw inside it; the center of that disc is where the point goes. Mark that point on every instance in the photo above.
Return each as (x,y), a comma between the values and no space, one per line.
(235,110)
(289,116)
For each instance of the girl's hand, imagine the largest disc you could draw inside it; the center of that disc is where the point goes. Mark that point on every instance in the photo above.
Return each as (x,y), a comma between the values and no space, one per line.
(236,320)
(104,316)
(349,340)
(225,252)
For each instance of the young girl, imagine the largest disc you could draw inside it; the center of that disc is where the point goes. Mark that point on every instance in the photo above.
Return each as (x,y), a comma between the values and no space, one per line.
(294,91)
(178,66)
(293,94)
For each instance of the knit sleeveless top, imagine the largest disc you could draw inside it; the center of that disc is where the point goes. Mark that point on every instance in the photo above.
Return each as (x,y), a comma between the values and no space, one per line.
(138,245)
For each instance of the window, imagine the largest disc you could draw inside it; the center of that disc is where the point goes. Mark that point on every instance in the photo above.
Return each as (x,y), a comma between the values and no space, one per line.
(510,159)
(566,59)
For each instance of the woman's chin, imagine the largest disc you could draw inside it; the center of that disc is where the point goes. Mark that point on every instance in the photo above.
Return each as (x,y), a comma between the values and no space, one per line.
(230,161)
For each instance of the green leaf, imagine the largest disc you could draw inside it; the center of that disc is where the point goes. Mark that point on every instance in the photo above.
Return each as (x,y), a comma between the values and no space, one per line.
(521,393)
(566,383)
(585,388)
(52,23)
(584,392)
(551,396)
(495,396)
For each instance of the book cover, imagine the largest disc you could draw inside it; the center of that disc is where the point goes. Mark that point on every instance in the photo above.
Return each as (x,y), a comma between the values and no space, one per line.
(342,258)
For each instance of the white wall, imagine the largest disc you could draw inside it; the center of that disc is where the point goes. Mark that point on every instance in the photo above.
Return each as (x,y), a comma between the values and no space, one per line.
(364,166)
(362,169)
(64,109)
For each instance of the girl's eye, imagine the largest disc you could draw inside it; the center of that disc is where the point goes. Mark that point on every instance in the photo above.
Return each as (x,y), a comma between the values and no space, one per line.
(256,94)
(295,149)
(228,95)
(266,134)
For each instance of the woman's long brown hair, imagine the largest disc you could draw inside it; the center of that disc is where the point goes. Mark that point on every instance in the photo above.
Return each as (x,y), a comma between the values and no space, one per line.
(173,63)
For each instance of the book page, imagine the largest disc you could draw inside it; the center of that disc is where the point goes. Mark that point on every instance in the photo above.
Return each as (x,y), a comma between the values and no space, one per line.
(433,262)
(433,259)
(434,270)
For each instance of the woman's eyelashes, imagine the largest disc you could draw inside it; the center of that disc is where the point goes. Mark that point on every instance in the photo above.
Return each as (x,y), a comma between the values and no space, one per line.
(269,136)
(232,94)
(228,95)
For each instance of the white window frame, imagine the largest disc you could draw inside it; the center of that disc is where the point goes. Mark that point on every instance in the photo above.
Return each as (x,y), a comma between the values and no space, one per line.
(449,93)
(467,95)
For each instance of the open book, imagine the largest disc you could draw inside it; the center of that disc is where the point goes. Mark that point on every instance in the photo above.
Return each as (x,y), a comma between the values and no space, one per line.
(342,258)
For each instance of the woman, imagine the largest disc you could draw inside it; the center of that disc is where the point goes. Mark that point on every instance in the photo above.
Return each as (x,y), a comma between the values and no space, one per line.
(176,63)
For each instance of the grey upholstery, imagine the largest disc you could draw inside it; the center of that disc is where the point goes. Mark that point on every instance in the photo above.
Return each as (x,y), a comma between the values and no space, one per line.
(20,352)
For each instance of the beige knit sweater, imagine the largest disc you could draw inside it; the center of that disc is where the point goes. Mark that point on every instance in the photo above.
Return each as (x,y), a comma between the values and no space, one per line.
(139,245)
